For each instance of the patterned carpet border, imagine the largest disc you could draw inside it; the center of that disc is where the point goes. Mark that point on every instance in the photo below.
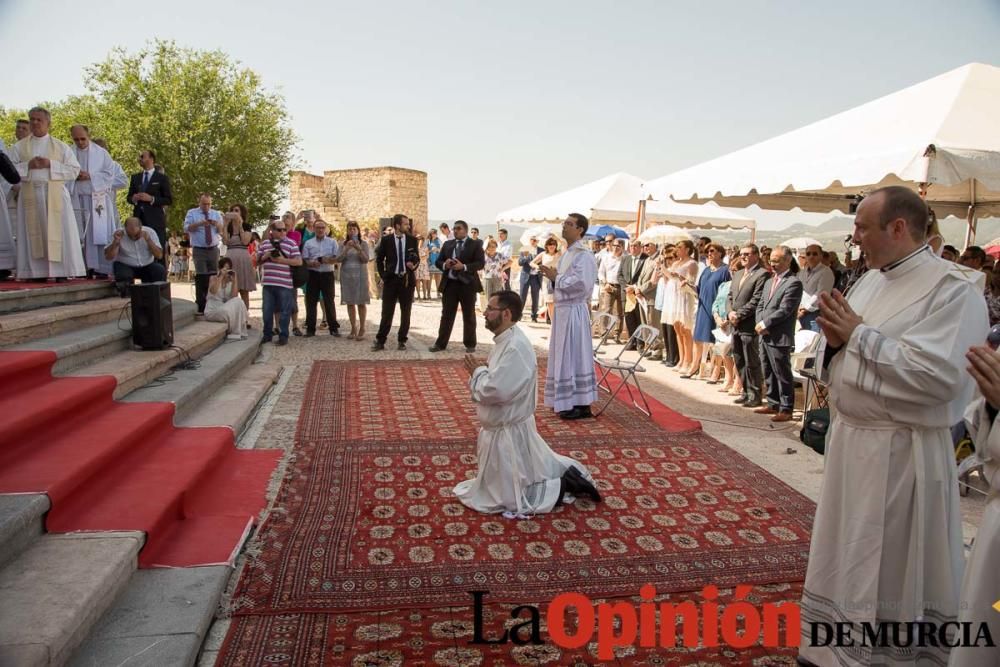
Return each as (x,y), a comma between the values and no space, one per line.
(364,519)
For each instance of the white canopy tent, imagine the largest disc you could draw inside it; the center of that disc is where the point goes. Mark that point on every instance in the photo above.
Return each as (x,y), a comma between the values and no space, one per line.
(940,136)
(617,200)
(613,192)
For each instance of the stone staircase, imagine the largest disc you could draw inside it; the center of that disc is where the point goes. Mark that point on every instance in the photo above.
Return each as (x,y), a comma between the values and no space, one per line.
(79,598)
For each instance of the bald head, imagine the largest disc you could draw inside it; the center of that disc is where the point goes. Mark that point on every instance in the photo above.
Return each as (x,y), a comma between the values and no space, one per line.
(81,136)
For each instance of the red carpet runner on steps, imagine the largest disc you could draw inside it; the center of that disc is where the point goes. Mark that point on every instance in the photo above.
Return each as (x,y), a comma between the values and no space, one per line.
(368,557)
(107,465)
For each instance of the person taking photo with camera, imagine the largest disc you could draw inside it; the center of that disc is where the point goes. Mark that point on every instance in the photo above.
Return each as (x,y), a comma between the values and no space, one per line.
(135,251)
(224,304)
(276,255)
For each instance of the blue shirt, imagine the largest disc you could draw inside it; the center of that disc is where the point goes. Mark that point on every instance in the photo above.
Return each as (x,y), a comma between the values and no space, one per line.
(197,234)
(316,249)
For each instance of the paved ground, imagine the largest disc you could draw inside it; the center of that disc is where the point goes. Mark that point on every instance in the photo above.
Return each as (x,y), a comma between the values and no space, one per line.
(776,448)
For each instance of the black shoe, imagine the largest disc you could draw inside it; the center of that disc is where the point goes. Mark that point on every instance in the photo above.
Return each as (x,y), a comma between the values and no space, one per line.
(296,331)
(377,346)
(335,333)
(755,404)
(282,341)
(265,341)
(310,334)
(579,485)
(471,350)
(565,414)
(669,364)
(534,318)
(401,346)
(122,288)
(62,280)
(740,401)
(437,348)
(579,412)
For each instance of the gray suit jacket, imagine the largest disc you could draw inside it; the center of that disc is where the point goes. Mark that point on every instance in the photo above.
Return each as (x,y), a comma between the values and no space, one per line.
(743,301)
(779,311)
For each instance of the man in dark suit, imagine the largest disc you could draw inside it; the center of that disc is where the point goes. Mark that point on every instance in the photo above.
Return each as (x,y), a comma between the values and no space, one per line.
(460,261)
(628,278)
(149,192)
(744,295)
(530,281)
(396,260)
(776,316)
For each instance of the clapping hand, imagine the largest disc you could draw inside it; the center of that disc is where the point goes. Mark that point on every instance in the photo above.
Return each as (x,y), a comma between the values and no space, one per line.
(984,367)
(548,271)
(837,319)
(83,176)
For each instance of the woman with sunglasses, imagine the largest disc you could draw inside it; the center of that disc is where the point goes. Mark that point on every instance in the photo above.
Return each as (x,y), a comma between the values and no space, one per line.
(549,259)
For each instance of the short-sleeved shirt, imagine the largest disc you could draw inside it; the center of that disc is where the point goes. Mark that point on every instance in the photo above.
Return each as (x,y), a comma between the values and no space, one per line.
(136,253)
(315,249)
(197,234)
(272,273)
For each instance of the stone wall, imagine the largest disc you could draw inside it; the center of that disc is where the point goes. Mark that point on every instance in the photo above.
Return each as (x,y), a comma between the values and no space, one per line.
(365,195)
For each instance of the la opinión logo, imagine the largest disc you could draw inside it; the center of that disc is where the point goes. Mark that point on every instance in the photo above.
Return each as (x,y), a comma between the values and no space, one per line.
(739,625)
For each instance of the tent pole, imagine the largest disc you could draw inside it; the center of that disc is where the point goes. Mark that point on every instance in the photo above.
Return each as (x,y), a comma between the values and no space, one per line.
(753,235)
(640,220)
(970,219)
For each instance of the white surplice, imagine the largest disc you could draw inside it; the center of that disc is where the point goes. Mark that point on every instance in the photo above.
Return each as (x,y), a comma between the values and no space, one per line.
(94,203)
(35,184)
(518,472)
(570,380)
(981,584)
(887,538)
(8,252)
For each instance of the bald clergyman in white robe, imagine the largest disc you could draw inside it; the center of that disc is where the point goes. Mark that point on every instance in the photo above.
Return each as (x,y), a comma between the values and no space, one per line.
(48,241)
(518,473)
(887,537)
(570,383)
(93,195)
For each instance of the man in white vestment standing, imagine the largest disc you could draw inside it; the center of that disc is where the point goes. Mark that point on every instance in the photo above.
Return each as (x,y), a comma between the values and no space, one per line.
(570,384)
(887,538)
(981,584)
(518,473)
(94,199)
(48,241)
(8,178)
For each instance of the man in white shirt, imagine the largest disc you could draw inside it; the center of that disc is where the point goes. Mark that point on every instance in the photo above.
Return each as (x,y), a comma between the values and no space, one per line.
(816,278)
(319,253)
(506,248)
(134,252)
(610,300)
(204,225)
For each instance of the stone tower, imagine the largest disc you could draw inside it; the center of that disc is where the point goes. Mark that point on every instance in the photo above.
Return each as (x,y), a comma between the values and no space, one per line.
(364,195)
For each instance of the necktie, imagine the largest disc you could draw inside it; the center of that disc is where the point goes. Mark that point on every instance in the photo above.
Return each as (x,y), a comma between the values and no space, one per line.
(774,286)
(399,256)
(458,251)
(145,180)
(208,232)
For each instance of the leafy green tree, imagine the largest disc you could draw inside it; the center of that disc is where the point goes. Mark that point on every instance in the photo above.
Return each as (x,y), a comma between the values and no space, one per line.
(212,124)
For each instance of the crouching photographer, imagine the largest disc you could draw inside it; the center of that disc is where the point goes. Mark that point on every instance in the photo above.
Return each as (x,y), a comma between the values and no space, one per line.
(276,255)
(135,251)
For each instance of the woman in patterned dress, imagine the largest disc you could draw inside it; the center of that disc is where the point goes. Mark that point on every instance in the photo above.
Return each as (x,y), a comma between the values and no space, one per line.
(423,274)
(354,258)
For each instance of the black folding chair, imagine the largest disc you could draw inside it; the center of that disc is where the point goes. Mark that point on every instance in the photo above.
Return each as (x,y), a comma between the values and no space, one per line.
(642,338)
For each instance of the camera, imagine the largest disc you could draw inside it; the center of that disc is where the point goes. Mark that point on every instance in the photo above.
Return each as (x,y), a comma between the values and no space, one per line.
(275,248)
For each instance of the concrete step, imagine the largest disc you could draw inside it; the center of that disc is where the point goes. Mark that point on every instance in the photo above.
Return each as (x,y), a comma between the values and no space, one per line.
(56,319)
(189,389)
(82,346)
(136,368)
(19,300)
(56,591)
(160,619)
(21,522)
(234,403)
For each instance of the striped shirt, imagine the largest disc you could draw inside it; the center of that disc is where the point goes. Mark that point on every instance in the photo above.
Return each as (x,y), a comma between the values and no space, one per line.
(272,273)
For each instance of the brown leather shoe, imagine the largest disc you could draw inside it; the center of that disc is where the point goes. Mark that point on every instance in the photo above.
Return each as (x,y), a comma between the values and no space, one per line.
(765,410)
(782,417)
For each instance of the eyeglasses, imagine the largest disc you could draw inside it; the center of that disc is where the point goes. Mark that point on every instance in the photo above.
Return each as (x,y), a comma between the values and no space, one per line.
(812,254)
(746,254)
(278,229)
(497,308)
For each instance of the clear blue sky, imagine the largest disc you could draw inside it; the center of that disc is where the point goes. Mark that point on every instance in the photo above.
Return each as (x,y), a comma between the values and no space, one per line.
(505,102)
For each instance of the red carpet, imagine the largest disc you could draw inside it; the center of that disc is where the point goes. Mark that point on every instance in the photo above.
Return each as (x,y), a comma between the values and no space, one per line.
(365,529)
(108,465)
(10,285)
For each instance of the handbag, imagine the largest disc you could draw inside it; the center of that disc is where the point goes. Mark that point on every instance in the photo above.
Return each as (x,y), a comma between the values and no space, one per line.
(300,273)
(814,428)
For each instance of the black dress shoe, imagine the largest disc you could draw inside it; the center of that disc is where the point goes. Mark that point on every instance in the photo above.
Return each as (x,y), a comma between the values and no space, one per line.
(310,334)
(740,401)
(401,346)
(437,348)
(755,404)
(335,333)
(471,350)
(579,485)
(565,414)
(377,346)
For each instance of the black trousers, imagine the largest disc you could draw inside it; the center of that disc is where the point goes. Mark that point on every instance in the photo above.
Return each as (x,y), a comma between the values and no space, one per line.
(746,356)
(455,294)
(633,320)
(396,289)
(671,351)
(777,362)
(151,273)
(161,234)
(201,281)
(320,283)
(533,283)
